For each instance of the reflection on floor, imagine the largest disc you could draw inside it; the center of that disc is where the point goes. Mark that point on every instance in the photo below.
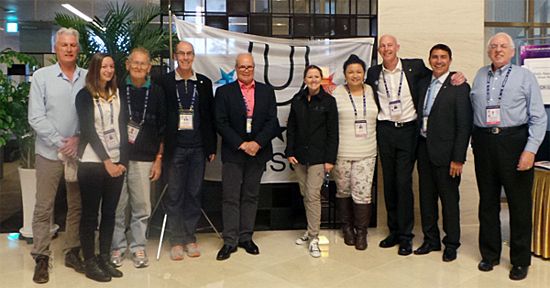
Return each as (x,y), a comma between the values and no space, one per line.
(284,264)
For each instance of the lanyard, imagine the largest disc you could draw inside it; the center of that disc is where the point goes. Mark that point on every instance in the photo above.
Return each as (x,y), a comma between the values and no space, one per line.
(353,103)
(246,105)
(400,85)
(429,98)
(186,92)
(144,105)
(489,76)
(101,113)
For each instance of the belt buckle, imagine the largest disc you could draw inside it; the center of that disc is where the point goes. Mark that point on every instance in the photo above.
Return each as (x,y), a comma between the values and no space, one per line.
(398,124)
(495,130)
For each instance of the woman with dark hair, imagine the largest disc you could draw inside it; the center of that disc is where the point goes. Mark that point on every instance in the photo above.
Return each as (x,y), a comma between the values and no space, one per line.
(103,161)
(356,159)
(312,143)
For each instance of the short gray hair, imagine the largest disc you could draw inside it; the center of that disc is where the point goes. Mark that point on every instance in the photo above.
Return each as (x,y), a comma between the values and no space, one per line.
(67,31)
(501,34)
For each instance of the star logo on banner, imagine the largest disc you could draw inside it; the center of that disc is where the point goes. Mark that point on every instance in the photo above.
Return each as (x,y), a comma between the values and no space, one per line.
(328,84)
(227,77)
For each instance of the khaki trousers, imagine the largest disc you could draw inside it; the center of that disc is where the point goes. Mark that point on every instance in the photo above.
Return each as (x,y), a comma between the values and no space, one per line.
(310,179)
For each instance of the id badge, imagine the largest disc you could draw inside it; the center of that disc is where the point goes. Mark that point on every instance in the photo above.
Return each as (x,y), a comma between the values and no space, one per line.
(133,131)
(425,124)
(361,128)
(493,115)
(395,110)
(186,120)
(111,139)
(248,125)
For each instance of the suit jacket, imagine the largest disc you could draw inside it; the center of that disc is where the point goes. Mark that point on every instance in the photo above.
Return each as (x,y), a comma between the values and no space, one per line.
(206,108)
(449,123)
(231,121)
(414,71)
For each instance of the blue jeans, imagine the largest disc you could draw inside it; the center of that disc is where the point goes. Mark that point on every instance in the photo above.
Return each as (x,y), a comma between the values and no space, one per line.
(136,192)
(183,197)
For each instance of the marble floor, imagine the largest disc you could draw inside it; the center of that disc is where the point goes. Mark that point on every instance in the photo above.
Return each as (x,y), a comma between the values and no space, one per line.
(284,264)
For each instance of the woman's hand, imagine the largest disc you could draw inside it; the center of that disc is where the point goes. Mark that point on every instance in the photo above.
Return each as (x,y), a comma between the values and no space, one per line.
(114,170)
(292,160)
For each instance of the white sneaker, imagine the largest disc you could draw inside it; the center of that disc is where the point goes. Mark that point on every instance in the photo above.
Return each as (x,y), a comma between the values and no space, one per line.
(117,257)
(140,259)
(302,240)
(314,250)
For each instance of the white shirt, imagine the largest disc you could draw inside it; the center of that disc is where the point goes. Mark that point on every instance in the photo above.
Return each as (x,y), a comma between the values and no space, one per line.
(408,112)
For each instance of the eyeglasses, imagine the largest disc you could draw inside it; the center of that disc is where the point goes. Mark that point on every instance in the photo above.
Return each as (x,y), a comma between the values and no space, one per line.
(182,54)
(141,65)
(502,46)
(244,68)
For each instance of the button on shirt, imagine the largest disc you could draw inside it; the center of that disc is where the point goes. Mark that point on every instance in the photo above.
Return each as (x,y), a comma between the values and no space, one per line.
(521,101)
(52,112)
(431,94)
(392,79)
(248,93)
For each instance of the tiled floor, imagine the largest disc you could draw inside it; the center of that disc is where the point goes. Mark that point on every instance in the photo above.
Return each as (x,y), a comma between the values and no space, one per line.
(284,264)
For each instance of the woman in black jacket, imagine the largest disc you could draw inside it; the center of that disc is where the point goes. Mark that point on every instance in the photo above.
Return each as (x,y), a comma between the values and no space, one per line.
(103,161)
(312,145)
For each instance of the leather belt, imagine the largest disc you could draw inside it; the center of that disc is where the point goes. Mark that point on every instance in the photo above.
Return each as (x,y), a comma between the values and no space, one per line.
(500,130)
(398,124)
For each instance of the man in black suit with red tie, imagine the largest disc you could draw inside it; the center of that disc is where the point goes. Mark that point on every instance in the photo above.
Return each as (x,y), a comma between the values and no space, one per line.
(445,121)
(246,119)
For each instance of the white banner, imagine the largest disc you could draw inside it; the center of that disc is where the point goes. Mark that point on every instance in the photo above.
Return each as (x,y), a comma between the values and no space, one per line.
(279,63)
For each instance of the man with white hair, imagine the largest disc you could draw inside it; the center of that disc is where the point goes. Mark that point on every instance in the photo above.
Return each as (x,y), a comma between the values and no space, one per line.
(509,126)
(52,115)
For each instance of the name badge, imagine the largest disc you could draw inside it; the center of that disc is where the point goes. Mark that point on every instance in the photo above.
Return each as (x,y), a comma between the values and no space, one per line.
(186,120)
(248,125)
(425,124)
(133,131)
(395,110)
(361,128)
(493,115)
(111,139)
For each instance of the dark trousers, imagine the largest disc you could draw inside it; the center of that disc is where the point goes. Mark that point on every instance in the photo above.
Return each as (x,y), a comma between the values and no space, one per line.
(496,158)
(435,182)
(97,188)
(397,147)
(241,189)
(183,200)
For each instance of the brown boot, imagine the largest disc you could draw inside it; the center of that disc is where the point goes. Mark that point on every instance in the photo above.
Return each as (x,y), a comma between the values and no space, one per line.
(345,210)
(362,214)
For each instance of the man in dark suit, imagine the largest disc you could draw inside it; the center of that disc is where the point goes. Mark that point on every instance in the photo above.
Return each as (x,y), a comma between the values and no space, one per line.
(395,82)
(445,121)
(246,119)
(190,142)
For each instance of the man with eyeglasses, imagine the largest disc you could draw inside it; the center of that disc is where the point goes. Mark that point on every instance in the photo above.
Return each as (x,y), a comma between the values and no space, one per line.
(190,142)
(146,122)
(509,126)
(246,118)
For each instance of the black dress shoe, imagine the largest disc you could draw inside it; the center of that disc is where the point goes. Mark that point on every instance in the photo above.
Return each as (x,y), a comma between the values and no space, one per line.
(405,248)
(92,270)
(250,247)
(105,264)
(41,269)
(389,241)
(518,272)
(225,252)
(486,265)
(73,260)
(449,254)
(426,248)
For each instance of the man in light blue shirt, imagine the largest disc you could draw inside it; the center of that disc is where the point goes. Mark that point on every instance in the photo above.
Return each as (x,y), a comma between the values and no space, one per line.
(52,115)
(509,126)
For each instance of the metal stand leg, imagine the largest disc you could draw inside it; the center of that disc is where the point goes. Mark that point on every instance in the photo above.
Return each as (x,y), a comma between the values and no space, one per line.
(161,235)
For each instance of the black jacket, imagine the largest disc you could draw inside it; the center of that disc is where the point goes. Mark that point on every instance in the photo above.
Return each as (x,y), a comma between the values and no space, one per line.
(231,121)
(312,129)
(85,109)
(206,110)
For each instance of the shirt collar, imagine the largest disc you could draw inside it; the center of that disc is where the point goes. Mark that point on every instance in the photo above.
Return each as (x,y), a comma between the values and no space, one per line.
(499,70)
(398,68)
(249,86)
(441,79)
(193,76)
(146,85)
(59,72)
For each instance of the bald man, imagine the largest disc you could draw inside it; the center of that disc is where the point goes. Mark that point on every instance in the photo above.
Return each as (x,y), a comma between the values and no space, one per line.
(246,119)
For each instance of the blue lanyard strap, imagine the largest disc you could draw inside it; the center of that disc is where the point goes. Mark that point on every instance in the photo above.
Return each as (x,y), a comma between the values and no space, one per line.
(192,106)
(101,113)
(144,105)
(489,76)
(353,103)
(400,85)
